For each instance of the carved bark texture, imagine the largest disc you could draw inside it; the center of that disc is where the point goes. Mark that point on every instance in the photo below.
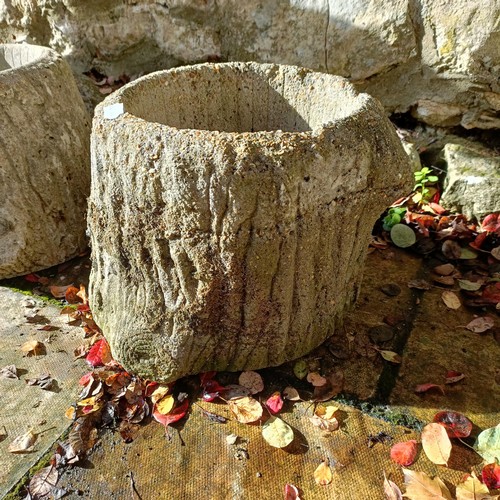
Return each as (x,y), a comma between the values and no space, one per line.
(230,213)
(44,161)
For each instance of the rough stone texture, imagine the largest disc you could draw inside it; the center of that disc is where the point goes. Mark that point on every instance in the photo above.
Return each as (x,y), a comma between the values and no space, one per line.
(230,213)
(441,60)
(472,185)
(44,161)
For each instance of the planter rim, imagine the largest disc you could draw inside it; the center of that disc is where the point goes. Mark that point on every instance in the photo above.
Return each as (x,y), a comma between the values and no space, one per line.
(120,96)
(42,53)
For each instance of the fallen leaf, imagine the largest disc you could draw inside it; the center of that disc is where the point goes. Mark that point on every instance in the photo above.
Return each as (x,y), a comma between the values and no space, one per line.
(472,489)
(391,490)
(128,431)
(59,292)
(159,392)
(9,371)
(402,236)
(33,347)
(213,417)
(451,300)
(488,444)
(456,424)
(444,280)
(300,369)
(324,418)
(316,379)
(323,473)
(173,416)
(165,405)
(419,284)
(275,403)
(291,394)
(43,482)
(245,409)
(99,354)
(419,486)
(22,444)
(404,453)
(451,250)
(469,286)
(436,443)
(495,252)
(291,492)
(391,356)
(444,269)
(452,377)
(427,387)
(252,381)
(490,476)
(234,391)
(481,324)
(82,294)
(277,433)
(71,295)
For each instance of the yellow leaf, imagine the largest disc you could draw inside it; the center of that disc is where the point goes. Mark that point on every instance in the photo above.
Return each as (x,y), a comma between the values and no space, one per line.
(323,474)
(326,411)
(245,409)
(277,432)
(436,443)
(419,486)
(165,404)
(473,489)
(451,300)
(159,392)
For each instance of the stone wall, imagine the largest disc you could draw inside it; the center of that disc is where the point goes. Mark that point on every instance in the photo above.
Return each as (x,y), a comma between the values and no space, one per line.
(437,58)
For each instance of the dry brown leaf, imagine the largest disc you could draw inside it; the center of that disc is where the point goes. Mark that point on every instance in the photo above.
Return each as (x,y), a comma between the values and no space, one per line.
(419,486)
(495,252)
(24,443)
(391,356)
(444,280)
(451,300)
(252,381)
(323,474)
(291,394)
(481,324)
(33,347)
(316,379)
(9,371)
(43,482)
(245,409)
(444,269)
(59,292)
(436,443)
(391,490)
(473,489)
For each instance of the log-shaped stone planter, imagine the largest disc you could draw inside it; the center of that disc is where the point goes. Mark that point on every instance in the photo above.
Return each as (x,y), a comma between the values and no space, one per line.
(230,213)
(44,161)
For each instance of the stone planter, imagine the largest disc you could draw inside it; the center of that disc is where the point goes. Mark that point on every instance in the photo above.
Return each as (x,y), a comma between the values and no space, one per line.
(44,161)
(230,213)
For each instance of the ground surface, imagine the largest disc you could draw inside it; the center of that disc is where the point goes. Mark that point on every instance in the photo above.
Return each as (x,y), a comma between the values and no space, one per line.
(198,462)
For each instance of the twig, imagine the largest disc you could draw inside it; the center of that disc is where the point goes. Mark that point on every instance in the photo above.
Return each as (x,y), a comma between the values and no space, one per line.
(133,488)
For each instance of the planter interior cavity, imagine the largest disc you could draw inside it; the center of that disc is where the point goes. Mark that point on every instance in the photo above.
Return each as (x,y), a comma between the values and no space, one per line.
(230,213)
(238,99)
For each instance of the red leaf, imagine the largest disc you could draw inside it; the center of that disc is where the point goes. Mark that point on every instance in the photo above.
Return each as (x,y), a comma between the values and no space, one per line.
(479,240)
(275,403)
(491,294)
(437,208)
(491,223)
(404,453)
(99,354)
(456,424)
(32,278)
(173,416)
(453,376)
(490,476)
(86,378)
(211,390)
(427,387)
(291,492)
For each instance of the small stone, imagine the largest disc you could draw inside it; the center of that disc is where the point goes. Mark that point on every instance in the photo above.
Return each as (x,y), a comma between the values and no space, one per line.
(381,333)
(391,289)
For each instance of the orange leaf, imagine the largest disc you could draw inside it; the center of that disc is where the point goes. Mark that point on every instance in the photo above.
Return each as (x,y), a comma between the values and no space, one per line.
(436,443)
(99,354)
(59,291)
(404,453)
(323,474)
(71,295)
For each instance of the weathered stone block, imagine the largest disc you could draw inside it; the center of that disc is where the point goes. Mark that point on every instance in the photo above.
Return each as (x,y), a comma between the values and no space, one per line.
(230,213)
(472,184)
(44,161)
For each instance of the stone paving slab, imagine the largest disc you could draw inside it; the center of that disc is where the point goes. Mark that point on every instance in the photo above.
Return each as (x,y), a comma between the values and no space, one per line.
(24,407)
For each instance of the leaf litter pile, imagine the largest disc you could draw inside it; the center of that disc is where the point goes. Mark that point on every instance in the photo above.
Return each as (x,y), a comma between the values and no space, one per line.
(111,397)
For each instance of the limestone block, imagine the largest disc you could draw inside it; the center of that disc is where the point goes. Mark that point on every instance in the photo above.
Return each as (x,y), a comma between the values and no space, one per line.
(44,161)
(472,184)
(230,213)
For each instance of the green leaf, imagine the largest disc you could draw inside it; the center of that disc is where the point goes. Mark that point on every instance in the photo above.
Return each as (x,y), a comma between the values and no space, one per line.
(432,178)
(488,444)
(277,433)
(467,254)
(403,236)
(300,369)
(470,286)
